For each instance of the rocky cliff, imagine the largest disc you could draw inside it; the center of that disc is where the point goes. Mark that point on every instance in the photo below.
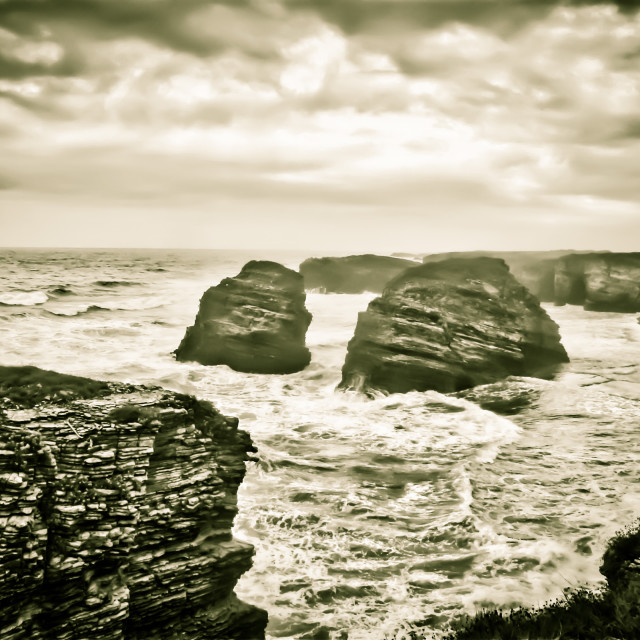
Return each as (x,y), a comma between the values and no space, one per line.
(352,274)
(255,322)
(599,281)
(116,508)
(448,326)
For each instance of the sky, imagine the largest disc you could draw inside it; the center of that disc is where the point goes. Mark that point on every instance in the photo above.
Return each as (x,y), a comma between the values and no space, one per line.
(337,125)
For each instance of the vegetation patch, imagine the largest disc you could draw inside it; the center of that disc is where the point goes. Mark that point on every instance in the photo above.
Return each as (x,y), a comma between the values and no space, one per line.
(612,612)
(29,386)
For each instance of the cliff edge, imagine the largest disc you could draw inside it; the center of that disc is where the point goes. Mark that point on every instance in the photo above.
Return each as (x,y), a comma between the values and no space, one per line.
(116,508)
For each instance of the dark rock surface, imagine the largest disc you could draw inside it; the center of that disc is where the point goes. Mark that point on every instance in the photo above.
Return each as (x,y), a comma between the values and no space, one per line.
(255,322)
(507,397)
(448,326)
(116,508)
(599,281)
(352,274)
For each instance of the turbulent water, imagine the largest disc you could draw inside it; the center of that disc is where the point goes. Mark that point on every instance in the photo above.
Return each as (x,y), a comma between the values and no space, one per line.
(366,515)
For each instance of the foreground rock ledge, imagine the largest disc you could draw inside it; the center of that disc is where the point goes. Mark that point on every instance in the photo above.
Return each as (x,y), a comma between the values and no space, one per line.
(449,326)
(255,322)
(116,508)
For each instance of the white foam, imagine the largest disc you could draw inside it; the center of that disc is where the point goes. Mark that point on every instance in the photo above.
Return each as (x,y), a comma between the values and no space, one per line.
(23,298)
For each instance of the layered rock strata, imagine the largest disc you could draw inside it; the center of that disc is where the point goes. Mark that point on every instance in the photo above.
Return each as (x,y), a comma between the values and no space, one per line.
(255,322)
(352,274)
(448,326)
(116,508)
(599,281)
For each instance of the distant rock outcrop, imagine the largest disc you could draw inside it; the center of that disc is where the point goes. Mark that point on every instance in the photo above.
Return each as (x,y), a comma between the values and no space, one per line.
(255,322)
(352,274)
(116,509)
(448,326)
(534,269)
(599,281)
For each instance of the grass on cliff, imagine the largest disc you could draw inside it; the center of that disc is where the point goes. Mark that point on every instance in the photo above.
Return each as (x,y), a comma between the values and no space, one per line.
(611,613)
(29,386)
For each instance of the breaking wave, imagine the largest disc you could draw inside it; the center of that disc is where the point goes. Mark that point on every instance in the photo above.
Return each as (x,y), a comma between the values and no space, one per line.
(23,298)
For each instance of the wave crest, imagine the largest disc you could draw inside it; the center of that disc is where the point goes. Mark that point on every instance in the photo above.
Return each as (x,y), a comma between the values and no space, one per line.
(22,298)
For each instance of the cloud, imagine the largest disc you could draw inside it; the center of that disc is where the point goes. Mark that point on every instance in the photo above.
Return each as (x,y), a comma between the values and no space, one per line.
(438,112)
(156,20)
(376,16)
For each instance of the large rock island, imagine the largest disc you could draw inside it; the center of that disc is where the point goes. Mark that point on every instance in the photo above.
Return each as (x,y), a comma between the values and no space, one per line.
(352,274)
(448,326)
(116,508)
(255,322)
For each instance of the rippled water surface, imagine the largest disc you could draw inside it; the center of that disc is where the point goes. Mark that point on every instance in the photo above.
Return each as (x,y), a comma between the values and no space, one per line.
(365,514)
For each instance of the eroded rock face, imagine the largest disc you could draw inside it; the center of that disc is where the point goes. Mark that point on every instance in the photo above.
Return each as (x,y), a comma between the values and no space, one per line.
(255,322)
(116,508)
(352,274)
(448,326)
(599,281)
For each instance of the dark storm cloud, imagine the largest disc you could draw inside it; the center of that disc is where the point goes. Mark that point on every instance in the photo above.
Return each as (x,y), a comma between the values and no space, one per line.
(628,130)
(7,183)
(165,22)
(354,16)
(170,24)
(15,69)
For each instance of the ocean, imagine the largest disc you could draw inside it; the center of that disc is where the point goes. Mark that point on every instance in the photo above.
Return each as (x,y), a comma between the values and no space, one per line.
(366,514)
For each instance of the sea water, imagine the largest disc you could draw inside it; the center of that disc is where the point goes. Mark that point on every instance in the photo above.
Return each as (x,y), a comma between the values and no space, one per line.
(366,514)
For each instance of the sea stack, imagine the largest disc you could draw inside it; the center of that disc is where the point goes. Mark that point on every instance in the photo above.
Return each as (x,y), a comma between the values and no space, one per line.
(448,326)
(352,274)
(116,509)
(599,281)
(255,322)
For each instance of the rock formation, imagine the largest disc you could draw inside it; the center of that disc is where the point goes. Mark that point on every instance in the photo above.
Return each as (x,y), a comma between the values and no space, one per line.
(352,274)
(599,281)
(116,508)
(448,326)
(507,397)
(534,269)
(255,322)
